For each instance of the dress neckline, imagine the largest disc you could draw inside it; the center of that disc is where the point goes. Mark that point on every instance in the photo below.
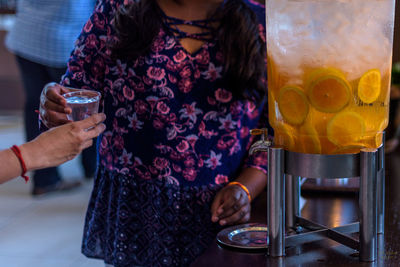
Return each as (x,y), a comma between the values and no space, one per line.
(207,36)
(171,24)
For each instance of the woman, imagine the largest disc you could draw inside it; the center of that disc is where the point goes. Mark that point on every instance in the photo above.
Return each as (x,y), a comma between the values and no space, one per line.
(183,82)
(51,148)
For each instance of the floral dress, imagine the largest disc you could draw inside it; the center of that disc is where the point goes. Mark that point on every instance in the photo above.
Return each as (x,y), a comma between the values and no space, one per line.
(175,136)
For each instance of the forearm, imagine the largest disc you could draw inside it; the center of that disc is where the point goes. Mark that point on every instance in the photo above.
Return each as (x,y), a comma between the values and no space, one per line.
(254,179)
(10,165)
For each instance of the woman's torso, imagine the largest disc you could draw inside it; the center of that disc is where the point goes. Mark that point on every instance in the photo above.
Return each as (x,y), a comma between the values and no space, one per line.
(170,115)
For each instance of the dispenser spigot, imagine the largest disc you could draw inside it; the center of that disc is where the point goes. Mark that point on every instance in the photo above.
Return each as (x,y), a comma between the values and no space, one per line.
(260,145)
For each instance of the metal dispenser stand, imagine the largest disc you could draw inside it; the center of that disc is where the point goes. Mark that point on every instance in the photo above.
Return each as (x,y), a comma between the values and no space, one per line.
(284,171)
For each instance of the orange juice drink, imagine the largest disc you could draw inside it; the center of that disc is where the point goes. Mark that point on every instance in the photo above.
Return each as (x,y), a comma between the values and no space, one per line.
(329,65)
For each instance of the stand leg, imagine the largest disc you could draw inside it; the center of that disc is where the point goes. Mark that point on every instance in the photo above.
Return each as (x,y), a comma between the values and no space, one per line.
(296,195)
(276,202)
(368,204)
(381,187)
(292,201)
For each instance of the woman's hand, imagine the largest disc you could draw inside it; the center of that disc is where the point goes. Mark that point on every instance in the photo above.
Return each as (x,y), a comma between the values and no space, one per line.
(230,206)
(53,107)
(63,143)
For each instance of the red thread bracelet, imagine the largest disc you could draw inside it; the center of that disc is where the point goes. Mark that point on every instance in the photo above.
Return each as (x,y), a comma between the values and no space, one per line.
(17,153)
(243,187)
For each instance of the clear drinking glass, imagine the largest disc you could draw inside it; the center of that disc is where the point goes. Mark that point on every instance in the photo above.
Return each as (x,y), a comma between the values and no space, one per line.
(83,103)
(329,65)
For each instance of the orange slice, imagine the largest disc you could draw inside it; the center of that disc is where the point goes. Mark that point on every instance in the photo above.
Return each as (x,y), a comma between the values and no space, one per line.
(309,140)
(383,124)
(283,137)
(293,105)
(320,72)
(276,78)
(272,109)
(349,149)
(378,139)
(328,91)
(272,74)
(379,135)
(327,147)
(369,86)
(345,128)
(319,120)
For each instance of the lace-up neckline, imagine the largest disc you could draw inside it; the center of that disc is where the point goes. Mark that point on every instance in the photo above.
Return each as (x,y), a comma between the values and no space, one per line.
(171,23)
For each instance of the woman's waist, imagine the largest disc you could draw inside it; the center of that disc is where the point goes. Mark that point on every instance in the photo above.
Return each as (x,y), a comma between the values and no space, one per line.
(185,172)
(170,184)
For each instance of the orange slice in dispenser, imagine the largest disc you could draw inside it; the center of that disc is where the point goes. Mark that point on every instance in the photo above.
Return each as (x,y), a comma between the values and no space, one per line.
(319,120)
(271,109)
(293,105)
(275,78)
(378,139)
(383,124)
(283,137)
(328,90)
(349,149)
(345,128)
(309,140)
(379,135)
(369,86)
(315,74)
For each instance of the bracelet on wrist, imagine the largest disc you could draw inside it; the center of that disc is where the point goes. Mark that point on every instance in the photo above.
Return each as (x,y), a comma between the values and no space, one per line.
(18,154)
(243,187)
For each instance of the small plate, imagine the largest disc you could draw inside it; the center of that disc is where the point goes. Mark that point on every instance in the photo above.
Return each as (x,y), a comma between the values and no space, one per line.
(245,236)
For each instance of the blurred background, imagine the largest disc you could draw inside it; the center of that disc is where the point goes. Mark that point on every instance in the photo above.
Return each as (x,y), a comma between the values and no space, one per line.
(47,231)
(44,231)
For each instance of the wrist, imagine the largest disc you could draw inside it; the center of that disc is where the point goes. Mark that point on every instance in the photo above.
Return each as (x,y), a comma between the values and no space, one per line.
(254,179)
(18,154)
(243,187)
(32,156)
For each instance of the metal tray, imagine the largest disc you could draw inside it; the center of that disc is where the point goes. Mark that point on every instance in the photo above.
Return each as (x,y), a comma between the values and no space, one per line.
(250,236)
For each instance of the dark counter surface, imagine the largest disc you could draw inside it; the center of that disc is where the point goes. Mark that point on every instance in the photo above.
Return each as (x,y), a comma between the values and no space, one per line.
(330,209)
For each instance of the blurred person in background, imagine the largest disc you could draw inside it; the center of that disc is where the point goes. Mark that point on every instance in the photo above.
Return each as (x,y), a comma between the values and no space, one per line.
(42,39)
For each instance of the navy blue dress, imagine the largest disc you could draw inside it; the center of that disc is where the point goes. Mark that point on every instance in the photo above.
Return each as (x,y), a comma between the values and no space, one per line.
(175,135)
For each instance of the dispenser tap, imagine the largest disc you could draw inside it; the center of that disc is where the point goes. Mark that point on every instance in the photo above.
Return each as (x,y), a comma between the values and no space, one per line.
(260,145)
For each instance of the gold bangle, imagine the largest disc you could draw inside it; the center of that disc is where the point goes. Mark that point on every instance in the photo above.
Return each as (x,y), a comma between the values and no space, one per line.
(243,187)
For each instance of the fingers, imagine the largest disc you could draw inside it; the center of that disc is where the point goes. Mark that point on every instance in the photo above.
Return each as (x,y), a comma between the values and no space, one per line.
(215,207)
(92,126)
(92,121)
(54,106)
(53,119)
(53,92)
(233,205)
(87,143)
(230,206)
(96,131)
(241,216)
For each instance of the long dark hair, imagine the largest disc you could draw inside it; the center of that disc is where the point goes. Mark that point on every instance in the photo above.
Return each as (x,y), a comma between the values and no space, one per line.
(138,24)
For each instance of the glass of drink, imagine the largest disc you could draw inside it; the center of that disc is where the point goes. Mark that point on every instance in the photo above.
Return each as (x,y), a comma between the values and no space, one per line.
(329,65)
(83,103)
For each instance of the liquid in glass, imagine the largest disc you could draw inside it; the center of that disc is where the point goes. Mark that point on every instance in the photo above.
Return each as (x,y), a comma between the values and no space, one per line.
(83,104)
